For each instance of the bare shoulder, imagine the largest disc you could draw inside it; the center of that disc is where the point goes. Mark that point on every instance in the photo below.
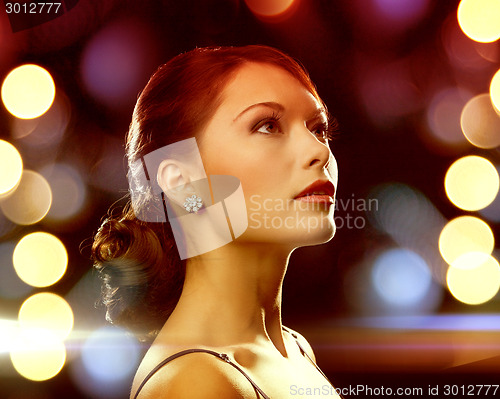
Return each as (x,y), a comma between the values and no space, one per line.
(193,376)
(304,343)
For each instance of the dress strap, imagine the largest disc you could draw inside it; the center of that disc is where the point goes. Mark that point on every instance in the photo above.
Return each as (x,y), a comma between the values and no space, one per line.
(303,351)
(221,356)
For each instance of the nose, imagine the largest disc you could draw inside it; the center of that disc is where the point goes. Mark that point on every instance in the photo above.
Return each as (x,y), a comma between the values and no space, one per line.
(314,153)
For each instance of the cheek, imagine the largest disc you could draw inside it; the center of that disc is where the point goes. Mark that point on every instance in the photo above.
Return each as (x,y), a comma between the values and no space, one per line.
(260,171)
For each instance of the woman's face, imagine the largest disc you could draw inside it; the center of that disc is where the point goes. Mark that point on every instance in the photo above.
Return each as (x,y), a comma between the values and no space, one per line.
(269,132)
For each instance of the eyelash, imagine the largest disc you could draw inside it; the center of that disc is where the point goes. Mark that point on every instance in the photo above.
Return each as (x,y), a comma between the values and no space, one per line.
(330,129)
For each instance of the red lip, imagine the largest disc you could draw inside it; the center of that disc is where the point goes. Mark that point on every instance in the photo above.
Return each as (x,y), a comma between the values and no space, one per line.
(324,186)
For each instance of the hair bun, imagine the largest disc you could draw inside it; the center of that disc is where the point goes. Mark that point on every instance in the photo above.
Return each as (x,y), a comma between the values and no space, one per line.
(130,260)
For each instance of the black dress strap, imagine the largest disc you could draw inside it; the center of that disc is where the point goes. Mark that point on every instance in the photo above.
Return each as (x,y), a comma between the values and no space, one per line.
(303,351)
(222,356)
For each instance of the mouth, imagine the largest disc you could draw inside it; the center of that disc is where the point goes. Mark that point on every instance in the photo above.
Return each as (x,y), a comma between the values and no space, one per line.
(321,191)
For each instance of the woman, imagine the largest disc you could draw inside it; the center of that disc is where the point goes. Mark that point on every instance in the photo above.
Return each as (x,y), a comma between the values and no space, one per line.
(255,115)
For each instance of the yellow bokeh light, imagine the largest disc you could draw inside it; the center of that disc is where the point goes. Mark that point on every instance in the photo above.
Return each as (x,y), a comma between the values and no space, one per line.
(479,19)
(474,278)
(40,259)
(495,91)
(480,122)
(28,91)
(11,167)
(465,234)
(49,312)
(38,355)
(471,183)
(31,200)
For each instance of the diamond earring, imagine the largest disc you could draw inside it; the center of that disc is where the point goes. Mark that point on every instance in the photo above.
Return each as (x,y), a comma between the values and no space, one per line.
(193,204)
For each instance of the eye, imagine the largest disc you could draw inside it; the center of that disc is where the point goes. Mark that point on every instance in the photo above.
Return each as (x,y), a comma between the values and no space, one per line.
(268,125)
(321,131)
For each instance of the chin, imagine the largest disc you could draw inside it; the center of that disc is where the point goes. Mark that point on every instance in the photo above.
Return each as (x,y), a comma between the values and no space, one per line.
(318,236)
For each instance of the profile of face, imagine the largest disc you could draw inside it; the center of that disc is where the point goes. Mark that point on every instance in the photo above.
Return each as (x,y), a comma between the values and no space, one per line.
(269,131)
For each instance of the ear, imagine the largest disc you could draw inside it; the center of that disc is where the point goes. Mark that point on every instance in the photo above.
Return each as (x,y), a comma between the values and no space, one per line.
(171,175)
(174,179)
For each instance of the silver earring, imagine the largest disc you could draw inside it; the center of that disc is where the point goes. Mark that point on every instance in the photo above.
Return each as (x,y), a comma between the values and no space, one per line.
(193,204)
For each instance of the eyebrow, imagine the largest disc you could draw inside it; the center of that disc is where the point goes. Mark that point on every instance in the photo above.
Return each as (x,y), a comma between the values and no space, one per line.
(269,104)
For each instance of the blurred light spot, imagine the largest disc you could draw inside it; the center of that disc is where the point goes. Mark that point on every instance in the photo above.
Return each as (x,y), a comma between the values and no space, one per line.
(269,8)
(48,312)
(68,191)
(465,234)
(443,115)
(11,167)
(117,62)
(489,51)
(480,122)
(109,359)
(471,183)
(412,221)
(389,93)
(28,91)
(38,355)
(474,278)
(47,130)
(11,286)
(110,354)
(479,19)
(495,93)
(401,277)
(462,52)
(407,12)
(31,200)
(40,259)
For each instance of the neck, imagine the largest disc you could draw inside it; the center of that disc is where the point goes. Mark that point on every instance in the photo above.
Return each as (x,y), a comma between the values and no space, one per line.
(233,295)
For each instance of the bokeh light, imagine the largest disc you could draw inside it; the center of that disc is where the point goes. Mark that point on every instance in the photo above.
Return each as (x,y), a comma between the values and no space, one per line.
(40,259)
(465,234)
(11,167)
(474,278)
(28,91)
(38,355)
(462,52)
(479,19)
(401,277)
(117,62)
(11,286)
(443,115)
(48,312)
(412,221)
(388,92)
(109,358)
(495,92)
(269,8)
(31,200)
(471,183)
(47,130)
(480,122)
(68,191)
(407,12)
